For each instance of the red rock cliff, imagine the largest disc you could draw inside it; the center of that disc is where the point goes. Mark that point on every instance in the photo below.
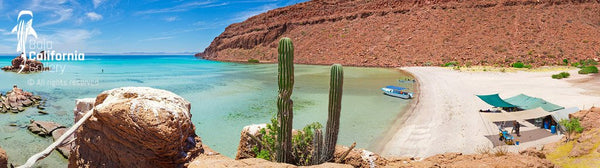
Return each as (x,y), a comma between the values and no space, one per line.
(423,32)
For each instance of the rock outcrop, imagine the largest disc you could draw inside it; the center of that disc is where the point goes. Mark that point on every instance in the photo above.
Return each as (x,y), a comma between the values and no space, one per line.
(423,32)
(3,159)
(43,128)
(588,118)
(17,100)
(137,127)
(246,143)
(47,128)
(30,65)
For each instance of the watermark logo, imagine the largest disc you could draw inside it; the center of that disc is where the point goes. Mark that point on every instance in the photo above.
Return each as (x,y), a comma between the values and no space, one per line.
(23,30)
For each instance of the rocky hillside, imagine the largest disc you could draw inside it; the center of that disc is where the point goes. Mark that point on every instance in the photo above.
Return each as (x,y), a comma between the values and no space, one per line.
(423,32)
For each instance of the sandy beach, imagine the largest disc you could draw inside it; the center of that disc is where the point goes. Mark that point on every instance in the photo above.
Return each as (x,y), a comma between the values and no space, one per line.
(445,116)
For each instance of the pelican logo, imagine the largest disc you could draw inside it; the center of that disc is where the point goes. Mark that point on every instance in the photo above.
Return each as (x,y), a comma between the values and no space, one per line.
(23,30)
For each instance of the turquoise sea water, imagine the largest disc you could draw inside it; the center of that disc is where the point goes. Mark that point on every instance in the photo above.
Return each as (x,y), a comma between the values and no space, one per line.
(224,96)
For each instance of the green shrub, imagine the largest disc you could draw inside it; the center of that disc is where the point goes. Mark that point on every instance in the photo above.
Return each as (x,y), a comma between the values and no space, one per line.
(451,63)
(575,64)
(588,69)
(566,62)
(251,60)
(528,66)
(561,75)
(301,142)
(518,65)
(556,76)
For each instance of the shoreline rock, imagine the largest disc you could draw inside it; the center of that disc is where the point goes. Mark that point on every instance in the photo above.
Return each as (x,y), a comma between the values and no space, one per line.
(17,100)
(30,65)
(3,158)
(46,129)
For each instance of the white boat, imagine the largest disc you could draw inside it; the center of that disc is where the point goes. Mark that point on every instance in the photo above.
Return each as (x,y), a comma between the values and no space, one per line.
(396,91)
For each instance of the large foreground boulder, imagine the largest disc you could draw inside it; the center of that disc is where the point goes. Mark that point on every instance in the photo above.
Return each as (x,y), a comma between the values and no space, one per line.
(136,127)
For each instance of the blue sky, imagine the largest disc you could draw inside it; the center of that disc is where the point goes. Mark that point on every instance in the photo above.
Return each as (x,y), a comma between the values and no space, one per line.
(121,26)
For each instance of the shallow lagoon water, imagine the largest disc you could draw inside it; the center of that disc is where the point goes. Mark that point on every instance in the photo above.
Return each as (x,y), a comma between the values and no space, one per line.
(224,97)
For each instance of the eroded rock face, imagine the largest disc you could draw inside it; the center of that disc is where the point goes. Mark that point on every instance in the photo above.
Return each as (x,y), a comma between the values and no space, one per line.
(3,159)
(420,32)
(136,127)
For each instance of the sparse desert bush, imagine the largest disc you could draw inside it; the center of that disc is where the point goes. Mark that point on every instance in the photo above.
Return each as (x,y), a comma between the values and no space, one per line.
(451,63)
(561,75)
(500,151)
(566,62)
(251,60)
(484,150)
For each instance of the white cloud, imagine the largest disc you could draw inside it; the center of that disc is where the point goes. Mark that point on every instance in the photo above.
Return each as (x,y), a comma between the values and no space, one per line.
(247,14)
(63,14)
(94,16)
(183,7)
(157,38)
(97,2)
(67,40)
(4,32)
(171,19)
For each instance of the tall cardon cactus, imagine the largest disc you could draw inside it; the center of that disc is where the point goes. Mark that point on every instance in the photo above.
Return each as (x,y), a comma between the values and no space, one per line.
(285,113)
(335,106)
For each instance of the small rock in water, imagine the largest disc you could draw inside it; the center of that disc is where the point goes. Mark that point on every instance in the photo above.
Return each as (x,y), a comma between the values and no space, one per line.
(13,124)
(42,112)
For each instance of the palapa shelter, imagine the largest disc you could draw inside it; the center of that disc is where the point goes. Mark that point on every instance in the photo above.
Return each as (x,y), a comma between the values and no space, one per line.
(521,101)
(527,108)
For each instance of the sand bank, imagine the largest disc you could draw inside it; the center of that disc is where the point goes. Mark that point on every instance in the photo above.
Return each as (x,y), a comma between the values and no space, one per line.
(445,118)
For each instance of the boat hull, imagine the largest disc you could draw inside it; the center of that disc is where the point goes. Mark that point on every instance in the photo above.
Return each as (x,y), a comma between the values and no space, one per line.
(404,96)
(395,93)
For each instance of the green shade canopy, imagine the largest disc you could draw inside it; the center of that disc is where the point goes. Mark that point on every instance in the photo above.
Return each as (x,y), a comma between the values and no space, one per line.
(495,100)
(527,102)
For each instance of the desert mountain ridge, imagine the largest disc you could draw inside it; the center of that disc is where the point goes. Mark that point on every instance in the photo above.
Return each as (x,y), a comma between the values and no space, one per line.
(390,33)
